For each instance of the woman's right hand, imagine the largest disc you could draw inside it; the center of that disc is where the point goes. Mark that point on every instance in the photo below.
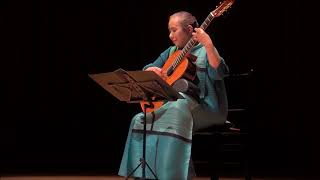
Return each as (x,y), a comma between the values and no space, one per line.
(155,69)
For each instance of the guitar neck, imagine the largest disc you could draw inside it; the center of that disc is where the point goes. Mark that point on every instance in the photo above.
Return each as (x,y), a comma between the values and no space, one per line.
(207,21)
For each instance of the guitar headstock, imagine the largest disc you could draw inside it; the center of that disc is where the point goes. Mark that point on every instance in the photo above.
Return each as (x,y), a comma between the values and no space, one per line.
(223,6)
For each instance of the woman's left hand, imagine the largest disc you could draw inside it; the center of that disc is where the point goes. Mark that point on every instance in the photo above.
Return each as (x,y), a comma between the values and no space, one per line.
(202,37)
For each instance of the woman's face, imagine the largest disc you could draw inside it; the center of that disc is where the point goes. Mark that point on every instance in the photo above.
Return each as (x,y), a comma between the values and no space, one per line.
(178,35)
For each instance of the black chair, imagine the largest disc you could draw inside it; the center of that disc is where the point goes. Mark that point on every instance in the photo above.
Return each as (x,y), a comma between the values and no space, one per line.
(223,150)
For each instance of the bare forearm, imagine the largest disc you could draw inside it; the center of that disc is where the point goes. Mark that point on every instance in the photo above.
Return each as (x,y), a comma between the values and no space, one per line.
(213,55)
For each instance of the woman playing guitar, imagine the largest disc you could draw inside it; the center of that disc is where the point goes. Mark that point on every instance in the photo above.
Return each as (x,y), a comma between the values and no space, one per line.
(169,132)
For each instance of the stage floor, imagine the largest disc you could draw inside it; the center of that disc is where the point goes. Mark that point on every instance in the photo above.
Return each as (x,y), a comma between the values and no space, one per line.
(117,178)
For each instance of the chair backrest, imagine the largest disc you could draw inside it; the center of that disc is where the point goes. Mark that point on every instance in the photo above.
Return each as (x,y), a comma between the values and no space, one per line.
(240,95)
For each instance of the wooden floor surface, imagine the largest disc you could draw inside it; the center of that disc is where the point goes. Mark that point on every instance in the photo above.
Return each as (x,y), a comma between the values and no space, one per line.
(114,178)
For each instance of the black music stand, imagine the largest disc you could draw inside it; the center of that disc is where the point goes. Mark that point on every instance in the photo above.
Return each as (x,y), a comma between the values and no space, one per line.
(134,87)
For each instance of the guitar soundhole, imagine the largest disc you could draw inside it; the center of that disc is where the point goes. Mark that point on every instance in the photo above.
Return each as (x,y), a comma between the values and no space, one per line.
(170,71)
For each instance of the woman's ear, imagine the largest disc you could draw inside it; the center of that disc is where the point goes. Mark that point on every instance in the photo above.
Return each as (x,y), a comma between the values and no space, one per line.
(190,29)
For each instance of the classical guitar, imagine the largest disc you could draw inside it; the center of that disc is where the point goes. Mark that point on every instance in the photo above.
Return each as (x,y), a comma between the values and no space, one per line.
(180,64)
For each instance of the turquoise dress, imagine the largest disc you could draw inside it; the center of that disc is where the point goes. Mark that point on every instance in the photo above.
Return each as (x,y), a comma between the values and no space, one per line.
(169,137)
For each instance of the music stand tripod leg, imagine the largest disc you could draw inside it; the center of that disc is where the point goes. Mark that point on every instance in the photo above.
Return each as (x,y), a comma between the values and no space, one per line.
(143,162)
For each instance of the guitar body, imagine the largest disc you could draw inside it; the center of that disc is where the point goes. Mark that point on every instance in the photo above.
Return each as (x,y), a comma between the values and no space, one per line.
(186,69)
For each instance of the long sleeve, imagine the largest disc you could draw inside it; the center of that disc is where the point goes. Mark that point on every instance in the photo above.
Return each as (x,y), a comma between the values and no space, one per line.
(220,72)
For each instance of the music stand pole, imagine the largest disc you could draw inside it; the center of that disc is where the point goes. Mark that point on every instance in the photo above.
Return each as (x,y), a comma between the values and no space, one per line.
(143,161)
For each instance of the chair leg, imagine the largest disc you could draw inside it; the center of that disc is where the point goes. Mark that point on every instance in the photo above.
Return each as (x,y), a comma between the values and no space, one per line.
(215,160)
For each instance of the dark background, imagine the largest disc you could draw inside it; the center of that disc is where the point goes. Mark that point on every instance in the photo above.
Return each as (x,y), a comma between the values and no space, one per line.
(55,119)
